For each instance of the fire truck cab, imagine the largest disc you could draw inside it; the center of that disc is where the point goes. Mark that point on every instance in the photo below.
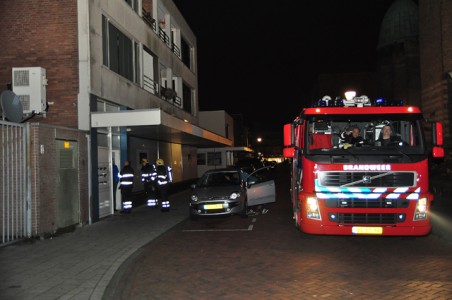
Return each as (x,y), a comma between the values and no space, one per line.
(372,182)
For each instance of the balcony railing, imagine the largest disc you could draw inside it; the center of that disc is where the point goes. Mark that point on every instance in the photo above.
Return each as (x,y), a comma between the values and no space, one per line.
(149,84)
(150,21)
(170,96)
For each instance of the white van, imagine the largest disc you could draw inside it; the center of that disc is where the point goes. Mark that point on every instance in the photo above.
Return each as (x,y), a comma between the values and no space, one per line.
(216,158)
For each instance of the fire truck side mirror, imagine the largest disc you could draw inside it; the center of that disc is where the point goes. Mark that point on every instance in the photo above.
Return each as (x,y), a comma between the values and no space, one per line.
(288,136)
(438,150)
(437,134)
(289,152)
(289,149)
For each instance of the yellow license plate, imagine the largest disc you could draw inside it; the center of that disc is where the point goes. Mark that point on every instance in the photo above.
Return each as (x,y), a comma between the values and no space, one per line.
(213,206)
(367,230)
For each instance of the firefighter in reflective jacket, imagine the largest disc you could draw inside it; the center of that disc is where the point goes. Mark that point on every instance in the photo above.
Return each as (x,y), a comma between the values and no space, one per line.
(164,178)
(148,177)
(126,185)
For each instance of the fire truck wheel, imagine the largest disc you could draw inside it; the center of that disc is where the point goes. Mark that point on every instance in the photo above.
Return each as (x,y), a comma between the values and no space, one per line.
(295,219)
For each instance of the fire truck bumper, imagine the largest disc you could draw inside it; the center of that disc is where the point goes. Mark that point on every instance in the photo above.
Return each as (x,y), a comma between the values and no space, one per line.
(420,230)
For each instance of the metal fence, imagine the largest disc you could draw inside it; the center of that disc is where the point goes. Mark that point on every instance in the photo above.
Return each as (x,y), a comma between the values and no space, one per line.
(15,195)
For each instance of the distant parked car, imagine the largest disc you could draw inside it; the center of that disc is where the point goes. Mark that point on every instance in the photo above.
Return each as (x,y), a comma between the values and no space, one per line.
(250,165)
(229,191)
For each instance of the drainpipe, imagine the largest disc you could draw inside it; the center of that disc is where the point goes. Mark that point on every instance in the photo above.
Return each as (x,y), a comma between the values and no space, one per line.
(90,193)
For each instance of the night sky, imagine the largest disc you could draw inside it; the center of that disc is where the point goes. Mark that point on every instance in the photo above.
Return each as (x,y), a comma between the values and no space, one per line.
(260,59)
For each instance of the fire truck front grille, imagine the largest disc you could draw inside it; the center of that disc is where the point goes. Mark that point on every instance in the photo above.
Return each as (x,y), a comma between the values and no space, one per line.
(360,203)
(366,218)
(367,179)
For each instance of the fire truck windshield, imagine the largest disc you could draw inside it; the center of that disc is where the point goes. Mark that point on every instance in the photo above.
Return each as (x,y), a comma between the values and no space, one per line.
(364,135)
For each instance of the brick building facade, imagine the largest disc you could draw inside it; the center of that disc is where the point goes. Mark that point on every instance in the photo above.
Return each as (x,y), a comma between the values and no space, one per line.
(104,60)
(435,39)
(43,33)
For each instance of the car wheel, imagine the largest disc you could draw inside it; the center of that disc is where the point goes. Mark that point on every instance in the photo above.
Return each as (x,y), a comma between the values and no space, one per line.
(244,213)
(193,217)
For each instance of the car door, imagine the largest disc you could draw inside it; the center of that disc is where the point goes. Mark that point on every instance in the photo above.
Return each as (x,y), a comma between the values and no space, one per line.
(260,189)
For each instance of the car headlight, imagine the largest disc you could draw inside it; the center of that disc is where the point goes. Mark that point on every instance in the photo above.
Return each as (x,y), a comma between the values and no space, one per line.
(194,198)
(234,195)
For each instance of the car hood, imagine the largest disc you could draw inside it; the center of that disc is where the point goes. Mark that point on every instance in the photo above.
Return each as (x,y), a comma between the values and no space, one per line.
(219,192)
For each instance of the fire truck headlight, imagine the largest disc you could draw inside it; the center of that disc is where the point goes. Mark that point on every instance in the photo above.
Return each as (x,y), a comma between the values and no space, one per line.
(312,208)
(421,210)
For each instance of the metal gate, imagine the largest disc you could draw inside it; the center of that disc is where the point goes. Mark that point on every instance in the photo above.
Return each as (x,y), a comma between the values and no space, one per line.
(15,195)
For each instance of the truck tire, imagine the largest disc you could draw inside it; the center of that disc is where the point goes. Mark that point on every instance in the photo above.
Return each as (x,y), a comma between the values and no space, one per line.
(295,219)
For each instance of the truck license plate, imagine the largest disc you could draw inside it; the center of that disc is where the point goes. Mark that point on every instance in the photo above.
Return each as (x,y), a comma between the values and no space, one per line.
(213,206)
(367,230)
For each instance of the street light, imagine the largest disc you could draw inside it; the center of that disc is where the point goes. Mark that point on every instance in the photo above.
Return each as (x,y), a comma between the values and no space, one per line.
(259,140)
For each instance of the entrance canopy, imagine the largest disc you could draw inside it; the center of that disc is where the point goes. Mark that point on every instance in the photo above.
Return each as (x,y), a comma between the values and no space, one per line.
(155,124)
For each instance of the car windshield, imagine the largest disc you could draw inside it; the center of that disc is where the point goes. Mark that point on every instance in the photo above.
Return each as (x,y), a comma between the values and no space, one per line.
(219,179)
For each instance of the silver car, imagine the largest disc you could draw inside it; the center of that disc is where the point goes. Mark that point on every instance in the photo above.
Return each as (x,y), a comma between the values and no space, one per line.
(230,191)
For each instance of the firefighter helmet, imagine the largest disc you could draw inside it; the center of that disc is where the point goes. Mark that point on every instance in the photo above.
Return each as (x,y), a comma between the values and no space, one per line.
(160,162)
(144,161)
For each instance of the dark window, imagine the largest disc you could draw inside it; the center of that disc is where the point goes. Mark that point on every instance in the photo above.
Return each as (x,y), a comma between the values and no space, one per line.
(186,97)
(121,54)
(185,51)
(201,157)
(133,4)
(214,158)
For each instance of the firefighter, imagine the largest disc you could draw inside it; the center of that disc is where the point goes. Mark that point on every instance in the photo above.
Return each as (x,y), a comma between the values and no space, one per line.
(353,137)
(164,178)
(148,177)
(387,138)
(126,185)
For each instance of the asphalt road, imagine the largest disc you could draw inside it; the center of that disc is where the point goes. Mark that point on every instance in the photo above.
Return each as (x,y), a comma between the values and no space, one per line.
(265,257)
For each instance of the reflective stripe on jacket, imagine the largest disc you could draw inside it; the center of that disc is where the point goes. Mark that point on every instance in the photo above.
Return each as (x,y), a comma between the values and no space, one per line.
(165,175)
(148,173)
(126,176)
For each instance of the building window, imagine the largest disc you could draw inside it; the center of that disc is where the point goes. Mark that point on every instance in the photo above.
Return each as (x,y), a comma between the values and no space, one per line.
(121,54)
(134,4)
(201,158)
(137,62)
(186,97)
(186,53)
(150,83)
(214,158)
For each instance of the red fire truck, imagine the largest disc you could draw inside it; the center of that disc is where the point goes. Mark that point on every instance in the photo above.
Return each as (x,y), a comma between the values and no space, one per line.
(363,186)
